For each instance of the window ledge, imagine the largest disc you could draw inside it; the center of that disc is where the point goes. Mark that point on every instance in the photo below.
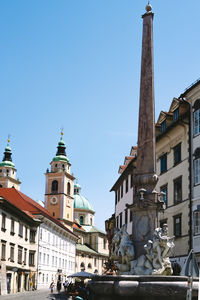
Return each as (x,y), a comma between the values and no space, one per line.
(12,233)
(3,229)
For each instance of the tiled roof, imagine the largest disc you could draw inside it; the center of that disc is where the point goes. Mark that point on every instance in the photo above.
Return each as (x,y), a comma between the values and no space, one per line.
(26,204)
(85,248)
(90,228)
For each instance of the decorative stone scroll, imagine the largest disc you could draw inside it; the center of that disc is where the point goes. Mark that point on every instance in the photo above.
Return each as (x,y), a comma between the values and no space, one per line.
(154,262)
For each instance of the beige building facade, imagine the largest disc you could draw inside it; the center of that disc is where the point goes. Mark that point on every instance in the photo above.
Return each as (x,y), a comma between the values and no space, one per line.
(172,166)
(192,96)
(18,249)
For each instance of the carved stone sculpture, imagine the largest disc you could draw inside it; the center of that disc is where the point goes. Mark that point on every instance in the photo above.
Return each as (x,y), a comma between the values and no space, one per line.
(154,262)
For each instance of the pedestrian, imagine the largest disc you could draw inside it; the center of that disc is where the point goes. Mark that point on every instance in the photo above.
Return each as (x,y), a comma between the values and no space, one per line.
(51,287)
(58,286)
(66,284)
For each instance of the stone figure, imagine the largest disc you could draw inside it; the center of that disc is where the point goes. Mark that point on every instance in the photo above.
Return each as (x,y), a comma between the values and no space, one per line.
(154,262)
(122,250)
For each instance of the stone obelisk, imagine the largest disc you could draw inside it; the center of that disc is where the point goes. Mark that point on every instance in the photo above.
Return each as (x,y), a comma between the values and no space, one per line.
(145,201)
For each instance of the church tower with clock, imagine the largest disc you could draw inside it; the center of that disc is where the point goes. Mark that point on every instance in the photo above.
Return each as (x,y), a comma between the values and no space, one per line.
(59,189)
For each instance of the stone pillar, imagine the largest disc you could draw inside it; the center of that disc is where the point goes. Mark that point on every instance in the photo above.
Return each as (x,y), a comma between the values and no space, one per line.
(145,202)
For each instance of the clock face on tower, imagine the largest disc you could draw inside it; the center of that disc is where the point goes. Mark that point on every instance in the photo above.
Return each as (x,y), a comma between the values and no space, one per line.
(54,200)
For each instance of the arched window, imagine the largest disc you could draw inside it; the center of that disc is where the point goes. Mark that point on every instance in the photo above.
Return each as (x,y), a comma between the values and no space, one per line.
(89,266)
(81,220)
(54,186)
(68,188)
(82,266)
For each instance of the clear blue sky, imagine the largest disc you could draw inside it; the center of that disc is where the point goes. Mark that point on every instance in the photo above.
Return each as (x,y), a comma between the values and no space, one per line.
(76,64)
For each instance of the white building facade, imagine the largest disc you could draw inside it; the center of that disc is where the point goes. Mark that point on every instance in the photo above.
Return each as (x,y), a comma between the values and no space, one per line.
(56,253)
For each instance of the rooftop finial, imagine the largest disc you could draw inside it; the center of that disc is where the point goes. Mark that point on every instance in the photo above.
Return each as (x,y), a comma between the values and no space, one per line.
(148,7)
(61,133)
(8,140)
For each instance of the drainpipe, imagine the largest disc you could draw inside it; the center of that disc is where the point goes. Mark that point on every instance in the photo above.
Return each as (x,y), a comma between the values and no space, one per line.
(191,176)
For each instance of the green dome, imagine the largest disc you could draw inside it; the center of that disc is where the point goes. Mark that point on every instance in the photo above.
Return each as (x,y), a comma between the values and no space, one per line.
(60,158)
(81,202)
(7,164)
(61,154)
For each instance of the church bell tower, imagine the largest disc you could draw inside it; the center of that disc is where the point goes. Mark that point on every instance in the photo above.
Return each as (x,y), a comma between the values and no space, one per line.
(8,171)
(59,190)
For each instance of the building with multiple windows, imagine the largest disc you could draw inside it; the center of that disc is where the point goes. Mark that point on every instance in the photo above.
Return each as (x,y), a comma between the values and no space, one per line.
(172,167)
(192,96)
(64,201)
(18,247)
(124,190)
(92,247)
(44,247)
(178,168)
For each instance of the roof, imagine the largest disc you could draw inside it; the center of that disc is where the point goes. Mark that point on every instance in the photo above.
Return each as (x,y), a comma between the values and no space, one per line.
(80,202)
(76,225)
(92,229)
(85,248)
(26,204)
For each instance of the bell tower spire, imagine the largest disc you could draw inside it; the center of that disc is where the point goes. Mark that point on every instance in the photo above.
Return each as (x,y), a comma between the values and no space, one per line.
(7,170)
(59,193)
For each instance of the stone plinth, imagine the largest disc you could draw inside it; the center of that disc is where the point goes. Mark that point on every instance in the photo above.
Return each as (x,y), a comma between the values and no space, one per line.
(128,287)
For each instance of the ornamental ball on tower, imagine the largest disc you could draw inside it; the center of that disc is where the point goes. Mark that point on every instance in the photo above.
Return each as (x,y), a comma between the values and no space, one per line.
(148,8)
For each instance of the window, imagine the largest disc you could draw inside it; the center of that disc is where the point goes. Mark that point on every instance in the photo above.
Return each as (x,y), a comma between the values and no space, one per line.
(3,222)
(32,236)
(47,259)
(176,114)
(177,225)
(197,171)
(164,189)
(178,190)
(81,220)
(82,266)
(20,249)
(20,229)
(118,194)
(122,190)
(115,197)
(120,220)
(104,243)
(89,266)
(26,233)
(131,181)
(117,222)
(95,262)
(12,227)
(196,120)
(126,216)
(54,186)
(131,216)
(177,154)
(31,258)
(197,222)
(12,248)
(68,188)
(127,185)
(3,250)
(163,163)
(163,126)
(25,256)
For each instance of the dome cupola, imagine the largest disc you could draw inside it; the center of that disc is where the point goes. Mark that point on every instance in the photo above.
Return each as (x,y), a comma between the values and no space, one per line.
(7,158)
